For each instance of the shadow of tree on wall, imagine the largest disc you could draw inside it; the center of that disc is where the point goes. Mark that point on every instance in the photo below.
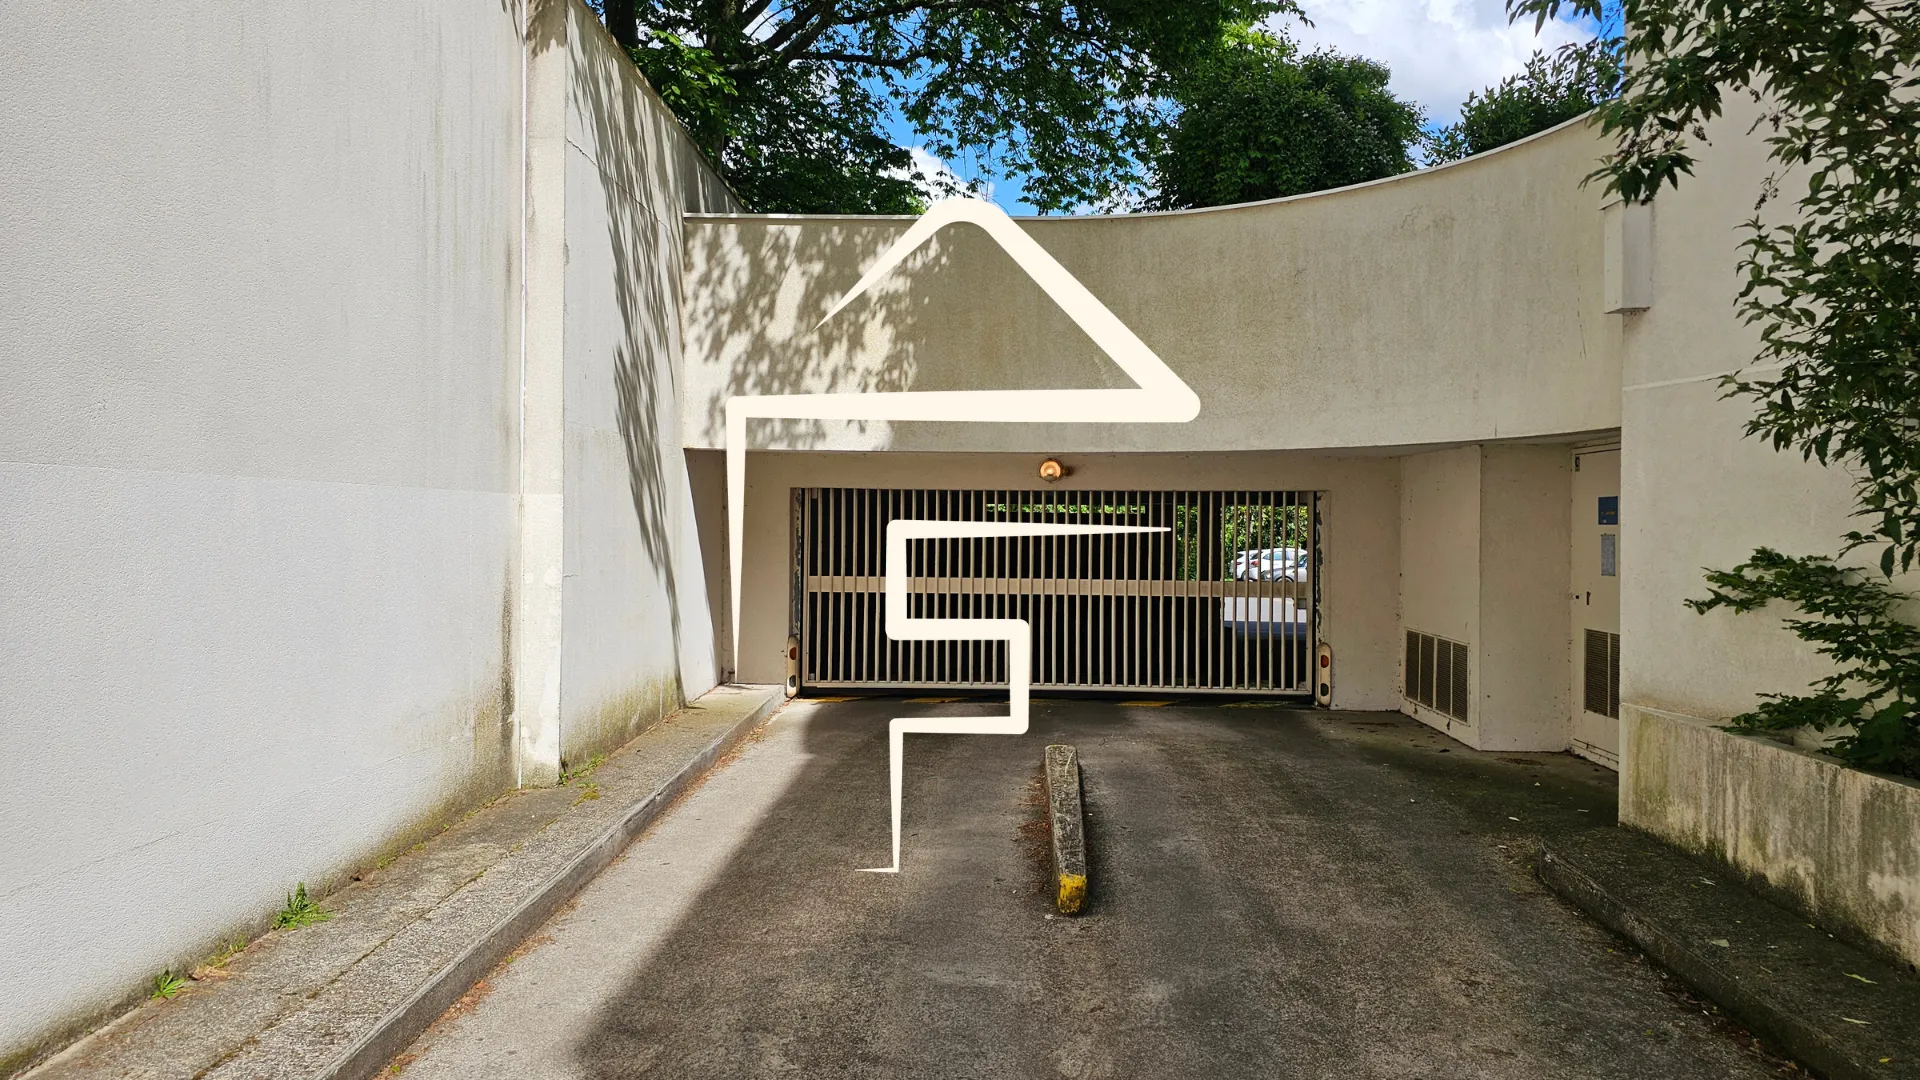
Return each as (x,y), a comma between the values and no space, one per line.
(635,148)
(743,282)
(958,315)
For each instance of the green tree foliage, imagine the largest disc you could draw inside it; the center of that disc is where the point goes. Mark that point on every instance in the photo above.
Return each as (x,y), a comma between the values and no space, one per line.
(1554,88)
(1257,120)
(1835,292)
(789,98)
(1849,617)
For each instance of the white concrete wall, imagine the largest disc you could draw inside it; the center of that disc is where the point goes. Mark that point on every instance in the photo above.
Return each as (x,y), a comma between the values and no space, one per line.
(1525,549)
(1483,561)
(637,635)
(1460,304)
(1358,522)
(257,452)
(1440,565)
(1694,492)
(263,470)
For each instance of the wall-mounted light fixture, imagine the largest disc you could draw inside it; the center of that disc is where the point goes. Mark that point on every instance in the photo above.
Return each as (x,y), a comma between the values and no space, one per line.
(1051,470)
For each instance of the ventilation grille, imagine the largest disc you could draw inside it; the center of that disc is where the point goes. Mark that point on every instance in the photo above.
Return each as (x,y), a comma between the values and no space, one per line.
(1602,673)
(1437,674)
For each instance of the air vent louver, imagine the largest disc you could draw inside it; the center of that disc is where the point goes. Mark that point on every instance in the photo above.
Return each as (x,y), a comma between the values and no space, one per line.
(1437,674)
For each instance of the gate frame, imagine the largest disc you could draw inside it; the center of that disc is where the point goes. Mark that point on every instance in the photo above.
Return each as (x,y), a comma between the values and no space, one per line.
(797,607)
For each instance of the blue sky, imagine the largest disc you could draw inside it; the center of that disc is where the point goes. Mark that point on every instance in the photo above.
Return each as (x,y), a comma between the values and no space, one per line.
(1438,51)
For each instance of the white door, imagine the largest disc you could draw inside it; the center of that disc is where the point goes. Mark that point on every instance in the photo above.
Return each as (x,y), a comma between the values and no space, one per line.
(1597,565)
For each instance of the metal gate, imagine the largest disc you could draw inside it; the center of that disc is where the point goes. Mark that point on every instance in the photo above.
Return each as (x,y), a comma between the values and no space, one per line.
(1226,601)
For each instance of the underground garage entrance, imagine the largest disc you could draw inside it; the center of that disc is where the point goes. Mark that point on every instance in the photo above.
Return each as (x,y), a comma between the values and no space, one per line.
(1224,601)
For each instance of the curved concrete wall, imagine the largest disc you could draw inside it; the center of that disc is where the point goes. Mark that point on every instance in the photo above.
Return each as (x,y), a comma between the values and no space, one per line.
(1458,304)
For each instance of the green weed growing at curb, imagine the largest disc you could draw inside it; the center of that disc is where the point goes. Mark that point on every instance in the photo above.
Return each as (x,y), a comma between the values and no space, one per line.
(166,985)
(581,776)
(576,773)
(301,910)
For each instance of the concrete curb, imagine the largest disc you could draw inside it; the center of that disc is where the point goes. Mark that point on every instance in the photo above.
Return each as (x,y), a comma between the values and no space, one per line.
(1778,1012)
(399,1027)
(1067,824)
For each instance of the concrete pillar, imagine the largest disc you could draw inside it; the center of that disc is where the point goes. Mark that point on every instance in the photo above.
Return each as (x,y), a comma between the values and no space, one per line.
(1483,552)
(537,630)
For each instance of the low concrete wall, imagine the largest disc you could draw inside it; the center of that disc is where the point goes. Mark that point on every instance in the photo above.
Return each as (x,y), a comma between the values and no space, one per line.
(1844,842)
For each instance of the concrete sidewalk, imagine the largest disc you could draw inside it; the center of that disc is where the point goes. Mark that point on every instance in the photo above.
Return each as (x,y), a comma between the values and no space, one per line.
(339,998)
(1848,1011)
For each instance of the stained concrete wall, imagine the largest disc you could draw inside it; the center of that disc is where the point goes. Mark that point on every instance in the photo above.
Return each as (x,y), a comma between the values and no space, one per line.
(1483,561)
(1843,843)
(635,637)
(1694,492)
(258,448)
(1440,559)
(1525,549)
(262,454)
(1454,305)
(1358,522)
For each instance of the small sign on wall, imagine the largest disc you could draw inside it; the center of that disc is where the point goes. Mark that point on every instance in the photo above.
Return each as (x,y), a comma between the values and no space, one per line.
(1609,565)
(1609,509)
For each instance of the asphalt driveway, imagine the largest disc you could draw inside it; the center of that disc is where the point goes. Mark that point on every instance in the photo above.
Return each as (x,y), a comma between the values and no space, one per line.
(1275,894)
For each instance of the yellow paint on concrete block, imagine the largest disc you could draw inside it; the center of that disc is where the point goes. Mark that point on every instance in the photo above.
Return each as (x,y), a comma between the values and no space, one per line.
(1073,893)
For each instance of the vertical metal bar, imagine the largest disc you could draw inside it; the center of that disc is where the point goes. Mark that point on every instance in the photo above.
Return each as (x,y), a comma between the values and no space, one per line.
(887,647)
(1316,570)
(870,563)
(1213,556)
(1279,519)
(870,648)
(942,563)
(1228,665)
(857,643)
(834,611)
(1082,606)
(1227,527)
(1153,568)
(806,603)
(916,664)
(1289,569)
(1259,513)
(843,613)
(1137,629)
(1109,625)
(1303,568)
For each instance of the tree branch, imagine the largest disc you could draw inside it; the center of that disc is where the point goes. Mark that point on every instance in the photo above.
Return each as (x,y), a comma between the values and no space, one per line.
(797,22)
(901,62)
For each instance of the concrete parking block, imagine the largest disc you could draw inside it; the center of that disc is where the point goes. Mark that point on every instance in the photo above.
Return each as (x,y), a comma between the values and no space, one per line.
(1067,823)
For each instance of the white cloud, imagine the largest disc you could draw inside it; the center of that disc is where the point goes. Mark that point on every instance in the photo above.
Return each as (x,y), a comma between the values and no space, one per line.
(1438,50)
(939,179)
